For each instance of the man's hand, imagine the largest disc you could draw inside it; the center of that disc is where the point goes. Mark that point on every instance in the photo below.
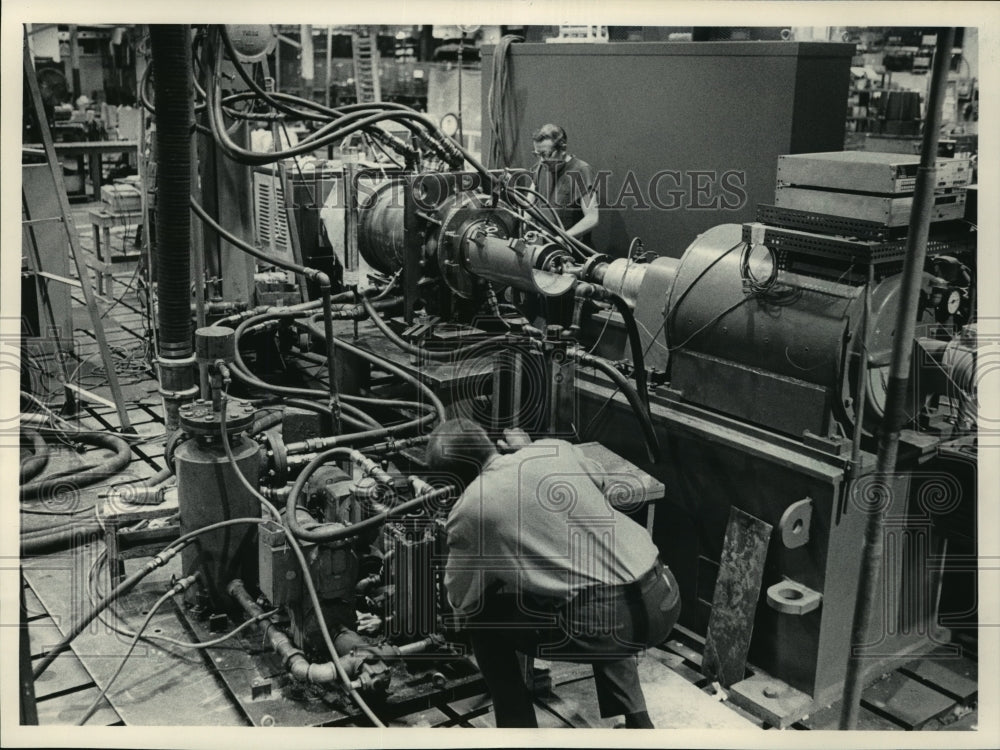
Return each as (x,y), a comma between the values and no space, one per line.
(368,623)
(514,438)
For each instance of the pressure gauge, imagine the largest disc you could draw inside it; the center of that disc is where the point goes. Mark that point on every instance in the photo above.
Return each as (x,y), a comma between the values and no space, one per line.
(449,124)
(252,42)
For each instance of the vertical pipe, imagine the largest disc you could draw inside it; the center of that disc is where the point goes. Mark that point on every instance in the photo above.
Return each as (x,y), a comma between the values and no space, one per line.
(899,374)
(74,61)
(861,389)
(329,64)
(198,257)
(172,71)
(307,60)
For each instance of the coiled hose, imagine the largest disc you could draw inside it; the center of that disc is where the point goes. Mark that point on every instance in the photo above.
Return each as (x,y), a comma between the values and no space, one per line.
(33,465)
(89,474)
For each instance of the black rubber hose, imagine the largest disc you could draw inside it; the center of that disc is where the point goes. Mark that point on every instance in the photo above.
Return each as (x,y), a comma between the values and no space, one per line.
(58,538)
(623,384)
(350,414)
(172,75)
(89,474)
(249,249)
(635,344)
(32,466)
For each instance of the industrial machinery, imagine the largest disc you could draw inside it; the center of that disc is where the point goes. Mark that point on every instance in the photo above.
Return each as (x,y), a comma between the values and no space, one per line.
(753,366)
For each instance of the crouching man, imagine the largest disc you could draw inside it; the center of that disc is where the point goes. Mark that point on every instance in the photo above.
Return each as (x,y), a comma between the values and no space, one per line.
(540,563)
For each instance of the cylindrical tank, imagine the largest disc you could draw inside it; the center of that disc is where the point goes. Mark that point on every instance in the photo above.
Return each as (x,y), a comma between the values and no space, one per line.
(534,267)
(800,334)
(209,491)
(380,226)
(806,329)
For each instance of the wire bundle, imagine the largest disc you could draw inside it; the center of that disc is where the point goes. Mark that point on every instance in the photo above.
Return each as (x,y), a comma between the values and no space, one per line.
(500,105)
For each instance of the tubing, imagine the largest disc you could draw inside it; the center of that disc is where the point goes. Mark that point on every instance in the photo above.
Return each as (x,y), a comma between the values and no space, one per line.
(33,465)
(168,552)
(645,422)
(356,417)
(321,279)
(246,247)
(448,149)
(334,441)
(638,359)
(87,475)
(178,587)
(51,539)
(122,588)
(310,586)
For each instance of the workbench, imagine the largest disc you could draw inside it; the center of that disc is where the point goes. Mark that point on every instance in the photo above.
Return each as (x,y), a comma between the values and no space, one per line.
(94,152)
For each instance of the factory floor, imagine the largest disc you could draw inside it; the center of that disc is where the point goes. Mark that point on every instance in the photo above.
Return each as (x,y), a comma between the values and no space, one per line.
(170,685)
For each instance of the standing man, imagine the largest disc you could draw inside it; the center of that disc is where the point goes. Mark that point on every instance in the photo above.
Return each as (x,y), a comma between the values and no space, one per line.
(540,563)
(567,183)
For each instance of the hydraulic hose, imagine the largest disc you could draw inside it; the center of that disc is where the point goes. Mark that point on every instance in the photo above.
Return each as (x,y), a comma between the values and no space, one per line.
(353,438)
(448,149)
(65,534)
(307,576)
(321,279)
(623,384)
(34,464)
(88,474)
(355,415)
(635,345)
(60,537)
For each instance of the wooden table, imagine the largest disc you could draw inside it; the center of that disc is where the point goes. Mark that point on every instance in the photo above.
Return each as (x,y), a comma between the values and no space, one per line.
(94,151)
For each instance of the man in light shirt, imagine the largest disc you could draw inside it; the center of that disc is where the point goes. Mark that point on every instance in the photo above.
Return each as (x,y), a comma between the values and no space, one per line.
(540,563)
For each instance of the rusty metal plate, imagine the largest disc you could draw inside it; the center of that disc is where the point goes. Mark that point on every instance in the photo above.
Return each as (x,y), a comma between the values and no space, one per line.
(737,591)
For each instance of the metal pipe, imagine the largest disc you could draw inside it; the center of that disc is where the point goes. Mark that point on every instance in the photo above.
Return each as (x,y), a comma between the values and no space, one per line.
(291,657)
(899,374)
(861,390)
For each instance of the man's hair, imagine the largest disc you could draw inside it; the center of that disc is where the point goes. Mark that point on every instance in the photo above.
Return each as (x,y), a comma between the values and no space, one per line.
(554,132)
(459,447)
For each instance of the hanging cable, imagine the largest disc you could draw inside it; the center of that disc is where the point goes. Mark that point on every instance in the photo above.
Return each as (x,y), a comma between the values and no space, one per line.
(499,103)
(622,384)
